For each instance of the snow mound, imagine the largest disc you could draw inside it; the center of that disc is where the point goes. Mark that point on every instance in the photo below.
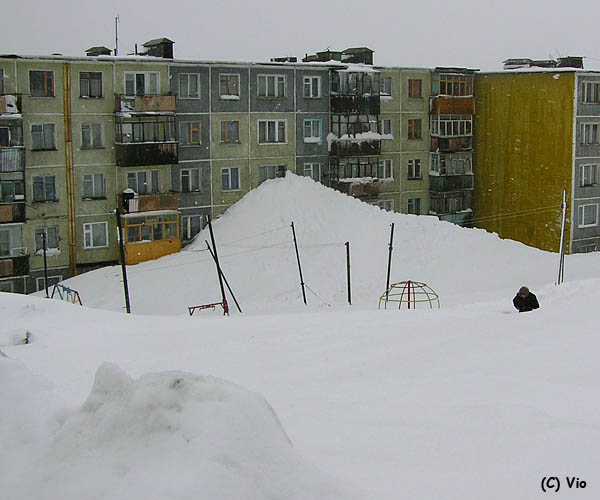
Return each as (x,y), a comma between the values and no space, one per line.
(173,435)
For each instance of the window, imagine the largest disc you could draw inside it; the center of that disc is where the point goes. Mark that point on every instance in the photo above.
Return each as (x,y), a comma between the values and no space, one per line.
(192,225)
(1,81)
(52,239)
(591,92)
(589,133)
(414,169)
(451,164)
(90,84)
(230,132)
(415,89)
(384,204)
(40,283)
(589,175)
(91,136)
(143,83)
(385,85)
(6,286)
(590,247)
(451,125)
(44,188)
(384,169)
(271,86)
(414,206)
(189,86)
(588,215)
(270,172)
(414,129)
(11,191)
(386,128)
(229,86)
(189,134)
(41,83)
(190,180)
(230,179)
(312,131)
(4,137)
(452,84)
(93,186)
(156,129)
(143,182)
(312,86)
(42,137)
(95,235)
(312,170)
(271,131)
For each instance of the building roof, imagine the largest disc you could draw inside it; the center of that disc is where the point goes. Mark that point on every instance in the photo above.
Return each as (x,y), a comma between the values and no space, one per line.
(98,48)
(356,50)
(157,41)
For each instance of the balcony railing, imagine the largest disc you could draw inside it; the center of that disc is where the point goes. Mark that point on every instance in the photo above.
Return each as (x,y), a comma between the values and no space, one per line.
(12,159)
(145,104)
(14,266)
(448,105)
(447,145)
(359,190)
(131,203)
(146,153)
(451,183)
(355,148)
(12,212)
(10,104)
(364,105)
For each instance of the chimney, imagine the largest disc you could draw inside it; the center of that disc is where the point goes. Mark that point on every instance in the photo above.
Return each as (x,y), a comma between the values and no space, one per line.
(159,47)
(98,51)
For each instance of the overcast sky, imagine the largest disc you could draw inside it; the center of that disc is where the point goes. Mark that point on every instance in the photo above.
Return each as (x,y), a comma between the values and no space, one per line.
(476,34)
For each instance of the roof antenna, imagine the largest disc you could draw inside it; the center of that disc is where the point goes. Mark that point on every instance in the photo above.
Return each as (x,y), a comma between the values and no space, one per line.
(117,35)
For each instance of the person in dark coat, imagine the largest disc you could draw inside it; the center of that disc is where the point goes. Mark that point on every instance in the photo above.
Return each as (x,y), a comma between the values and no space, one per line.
(525,300)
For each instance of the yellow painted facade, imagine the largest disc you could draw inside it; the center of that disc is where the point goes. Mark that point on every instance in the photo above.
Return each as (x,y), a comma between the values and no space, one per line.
(523,155)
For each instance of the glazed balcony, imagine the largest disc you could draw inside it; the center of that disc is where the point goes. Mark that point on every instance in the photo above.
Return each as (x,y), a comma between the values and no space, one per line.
(134,203)
(15,265)
(10,104)
(442,184)
(355,104)
(344,148)
(450,105)
(12,212)
(146,153)
(12,159)
(145,104)
(451,145)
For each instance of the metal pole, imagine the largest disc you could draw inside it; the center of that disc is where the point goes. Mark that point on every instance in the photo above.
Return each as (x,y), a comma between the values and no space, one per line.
(216,256)
(117,35)
(45,264)
(123,266)
(561,264)
(224,278)
(389,267)
(348,271)
(299,266)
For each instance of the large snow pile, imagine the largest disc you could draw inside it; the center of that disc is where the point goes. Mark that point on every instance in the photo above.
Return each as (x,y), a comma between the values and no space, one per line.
(169,435)
(256,250)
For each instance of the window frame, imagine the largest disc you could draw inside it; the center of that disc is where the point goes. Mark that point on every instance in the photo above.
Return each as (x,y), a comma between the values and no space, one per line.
(383,91)
(311,167)
(312,139)
(415,91)
(230,96)
(276,88)
(594,133)
(92,144)
(228,170)
(44,229)
(45,89)
(43,126)
(191,173)
(40,282)
(1,81)
(310,85)
(224,125)
(412,130)
(385,166)
(383,123)
(415,169)
(186,226)
(89,79)
(279,171)
(93,177)
(581,215)
(179,83)
(277,124)
(45,188)
(188,133)
(416,202)
(593,167)
(89,231)
(150,176)
(146,92)
(593,88)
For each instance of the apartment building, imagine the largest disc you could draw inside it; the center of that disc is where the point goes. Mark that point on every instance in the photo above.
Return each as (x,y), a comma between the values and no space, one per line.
(537,135)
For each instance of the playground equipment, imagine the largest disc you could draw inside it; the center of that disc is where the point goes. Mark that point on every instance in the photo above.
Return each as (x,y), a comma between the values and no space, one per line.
(66,293)
(410,293)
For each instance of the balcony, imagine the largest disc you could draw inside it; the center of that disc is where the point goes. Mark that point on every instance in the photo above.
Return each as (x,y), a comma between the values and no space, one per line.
(14,265)
(360,189)
(136,154)
(364,104)
(145,104)
(12,159)
(446,105)
(451,183)
(12,212)
(451,145)
(133,203)
(345,148)
(10,104)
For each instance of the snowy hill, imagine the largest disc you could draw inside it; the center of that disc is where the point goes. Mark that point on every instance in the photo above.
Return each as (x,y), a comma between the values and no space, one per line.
(469,401)
(257,255)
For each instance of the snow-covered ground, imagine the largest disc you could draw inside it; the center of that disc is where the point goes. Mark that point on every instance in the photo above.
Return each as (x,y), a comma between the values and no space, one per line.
(472,400)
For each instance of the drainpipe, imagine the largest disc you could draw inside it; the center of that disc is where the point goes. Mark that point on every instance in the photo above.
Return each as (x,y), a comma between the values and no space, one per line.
(69,167)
